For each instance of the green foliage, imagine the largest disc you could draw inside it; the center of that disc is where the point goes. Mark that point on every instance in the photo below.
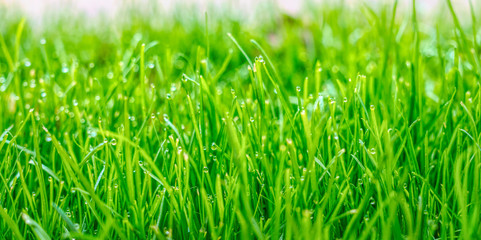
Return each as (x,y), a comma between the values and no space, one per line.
(343,123)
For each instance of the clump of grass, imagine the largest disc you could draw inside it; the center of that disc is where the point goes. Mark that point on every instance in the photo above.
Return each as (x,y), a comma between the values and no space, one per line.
(345,123)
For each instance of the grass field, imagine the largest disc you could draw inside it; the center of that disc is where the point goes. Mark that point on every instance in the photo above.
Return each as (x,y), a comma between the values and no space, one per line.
(343,122)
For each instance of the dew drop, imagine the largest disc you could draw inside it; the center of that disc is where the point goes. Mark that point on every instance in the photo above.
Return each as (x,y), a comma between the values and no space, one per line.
(213,146)
(359,181)
(110,75)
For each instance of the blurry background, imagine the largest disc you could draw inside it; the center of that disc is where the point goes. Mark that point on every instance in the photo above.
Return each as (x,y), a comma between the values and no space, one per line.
(108,9)
(299,32)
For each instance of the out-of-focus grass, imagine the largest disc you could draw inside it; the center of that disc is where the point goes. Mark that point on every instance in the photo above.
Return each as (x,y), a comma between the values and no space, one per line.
(341,123)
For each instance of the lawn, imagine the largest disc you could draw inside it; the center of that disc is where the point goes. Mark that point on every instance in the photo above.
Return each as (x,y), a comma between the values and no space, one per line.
(354,122)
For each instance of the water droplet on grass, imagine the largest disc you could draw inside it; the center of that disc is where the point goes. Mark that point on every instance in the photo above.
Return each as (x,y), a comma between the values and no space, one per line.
(92,133)
(213,146)
(110,75)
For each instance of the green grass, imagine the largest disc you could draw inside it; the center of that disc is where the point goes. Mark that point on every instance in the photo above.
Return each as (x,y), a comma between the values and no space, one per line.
(346,122)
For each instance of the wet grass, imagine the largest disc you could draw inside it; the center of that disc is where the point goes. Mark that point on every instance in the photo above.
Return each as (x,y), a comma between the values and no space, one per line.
(351,123)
